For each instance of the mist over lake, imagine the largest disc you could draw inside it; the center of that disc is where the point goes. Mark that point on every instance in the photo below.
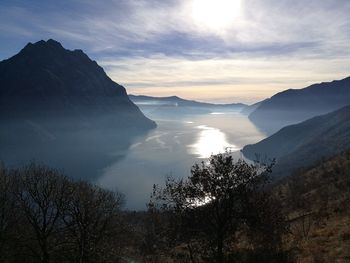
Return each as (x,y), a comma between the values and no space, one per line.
(179,141)
(128,161)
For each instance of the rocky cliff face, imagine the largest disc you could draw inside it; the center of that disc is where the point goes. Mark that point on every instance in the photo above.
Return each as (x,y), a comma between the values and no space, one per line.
(45,78)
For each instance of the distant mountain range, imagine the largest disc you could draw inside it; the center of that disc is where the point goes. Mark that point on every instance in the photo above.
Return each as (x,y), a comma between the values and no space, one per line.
(293,106)
(179,102)
(46,79)
(303,144)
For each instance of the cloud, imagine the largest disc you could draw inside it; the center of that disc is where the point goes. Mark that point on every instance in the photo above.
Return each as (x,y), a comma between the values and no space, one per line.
(105,25)
(155,46)
(233,78)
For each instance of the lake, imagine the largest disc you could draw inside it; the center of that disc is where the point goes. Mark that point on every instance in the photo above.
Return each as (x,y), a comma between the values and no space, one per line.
(121,160)
(179,141)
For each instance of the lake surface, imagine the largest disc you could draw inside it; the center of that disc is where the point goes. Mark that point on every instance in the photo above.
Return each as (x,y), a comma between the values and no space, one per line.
(123,160)
(179,141)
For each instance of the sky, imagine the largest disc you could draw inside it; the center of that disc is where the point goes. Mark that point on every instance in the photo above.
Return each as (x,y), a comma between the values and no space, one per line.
(209,50)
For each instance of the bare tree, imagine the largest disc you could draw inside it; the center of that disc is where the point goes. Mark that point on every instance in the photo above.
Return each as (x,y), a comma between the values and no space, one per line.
(8,215)
(93,221)
(45,217)
(41,195)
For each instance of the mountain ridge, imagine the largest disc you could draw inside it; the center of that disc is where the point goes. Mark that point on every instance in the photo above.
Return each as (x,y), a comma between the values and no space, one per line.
(46,78)
(295,105)
(60,107)
(303,144)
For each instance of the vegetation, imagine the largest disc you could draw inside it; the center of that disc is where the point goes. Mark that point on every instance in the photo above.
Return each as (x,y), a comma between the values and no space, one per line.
(317,204)
(226,211)
(46,217)
(220,200)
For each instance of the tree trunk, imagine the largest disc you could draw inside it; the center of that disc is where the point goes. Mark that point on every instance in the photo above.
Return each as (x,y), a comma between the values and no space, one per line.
(191,253)
(45,258)
(219,251)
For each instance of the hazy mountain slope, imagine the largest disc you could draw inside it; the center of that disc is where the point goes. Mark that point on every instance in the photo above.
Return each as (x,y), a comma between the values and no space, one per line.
(45,78)
(317,202)
(303,144)
(250,108)
(59,107)
(292,106)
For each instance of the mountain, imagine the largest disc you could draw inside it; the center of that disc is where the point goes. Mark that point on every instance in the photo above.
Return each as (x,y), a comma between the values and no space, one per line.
(179,102)
(250,108)
(293,106)
(59,107)
(303,144)
(45,78)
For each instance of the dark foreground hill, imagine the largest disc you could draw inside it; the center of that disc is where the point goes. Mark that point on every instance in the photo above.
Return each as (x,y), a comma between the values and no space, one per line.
(293,106)
(59,106)
(303,144)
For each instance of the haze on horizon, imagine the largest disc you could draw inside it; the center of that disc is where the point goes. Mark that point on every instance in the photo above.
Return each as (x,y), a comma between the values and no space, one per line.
(210,50)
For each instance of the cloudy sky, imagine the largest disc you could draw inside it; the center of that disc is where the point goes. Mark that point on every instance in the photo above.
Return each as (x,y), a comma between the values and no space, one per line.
(211,50)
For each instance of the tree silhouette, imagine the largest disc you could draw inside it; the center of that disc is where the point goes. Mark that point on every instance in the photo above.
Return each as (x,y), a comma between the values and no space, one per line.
(213,202)
(42,195)
(91,218)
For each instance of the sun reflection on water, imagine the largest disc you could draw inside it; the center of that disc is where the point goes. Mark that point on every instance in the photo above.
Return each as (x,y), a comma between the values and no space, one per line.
(210,141)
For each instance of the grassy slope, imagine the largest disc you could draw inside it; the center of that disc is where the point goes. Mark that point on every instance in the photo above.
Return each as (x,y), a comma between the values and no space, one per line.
(318,204)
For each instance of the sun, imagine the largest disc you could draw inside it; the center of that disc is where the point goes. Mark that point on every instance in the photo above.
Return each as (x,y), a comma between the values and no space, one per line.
(215,14)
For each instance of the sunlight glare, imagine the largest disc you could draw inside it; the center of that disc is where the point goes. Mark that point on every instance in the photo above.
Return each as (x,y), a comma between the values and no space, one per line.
(211,141)
(215,14)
